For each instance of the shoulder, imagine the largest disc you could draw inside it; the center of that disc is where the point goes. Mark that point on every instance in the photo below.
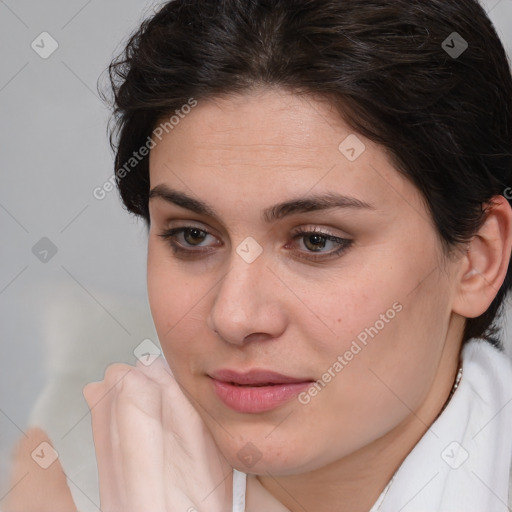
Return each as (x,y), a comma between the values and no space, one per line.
(32,486)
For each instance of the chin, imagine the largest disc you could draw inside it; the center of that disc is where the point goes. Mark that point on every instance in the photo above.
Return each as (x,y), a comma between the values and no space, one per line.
(276,457)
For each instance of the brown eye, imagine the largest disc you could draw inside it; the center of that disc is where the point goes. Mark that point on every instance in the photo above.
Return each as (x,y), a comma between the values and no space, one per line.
(194,236)
(314,242)
(315,245)
(190,241)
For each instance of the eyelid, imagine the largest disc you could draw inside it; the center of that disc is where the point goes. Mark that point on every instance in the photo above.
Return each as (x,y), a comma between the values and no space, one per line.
(321,230)
(343,239)
(188,223)
(177,223)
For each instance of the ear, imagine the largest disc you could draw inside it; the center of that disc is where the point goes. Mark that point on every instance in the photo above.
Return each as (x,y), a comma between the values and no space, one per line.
(485,264)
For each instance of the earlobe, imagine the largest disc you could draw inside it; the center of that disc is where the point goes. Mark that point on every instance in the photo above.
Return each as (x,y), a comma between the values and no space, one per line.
(486,261)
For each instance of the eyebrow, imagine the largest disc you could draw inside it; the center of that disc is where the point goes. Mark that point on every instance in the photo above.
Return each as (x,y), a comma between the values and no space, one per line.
(294,206)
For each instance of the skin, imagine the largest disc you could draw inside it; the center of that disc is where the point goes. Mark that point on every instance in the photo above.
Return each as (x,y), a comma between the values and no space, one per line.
(32,487)
(284,312)
(287,313)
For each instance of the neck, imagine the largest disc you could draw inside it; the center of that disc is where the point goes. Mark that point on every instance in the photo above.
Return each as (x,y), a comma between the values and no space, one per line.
(355,482)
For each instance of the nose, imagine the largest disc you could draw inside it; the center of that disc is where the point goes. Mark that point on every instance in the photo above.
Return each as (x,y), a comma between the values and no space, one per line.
(247,305)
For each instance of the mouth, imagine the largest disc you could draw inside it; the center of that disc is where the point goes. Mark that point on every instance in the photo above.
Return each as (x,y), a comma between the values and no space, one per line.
(256,391)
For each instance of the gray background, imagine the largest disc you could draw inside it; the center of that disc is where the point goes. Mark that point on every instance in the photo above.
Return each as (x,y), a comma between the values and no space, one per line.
(54,152)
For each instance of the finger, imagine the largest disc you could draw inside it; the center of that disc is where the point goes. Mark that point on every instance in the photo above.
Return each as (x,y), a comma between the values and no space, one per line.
(101,429)
(186,436)
(100,397)
(160,372)
(179,411)
(137,414)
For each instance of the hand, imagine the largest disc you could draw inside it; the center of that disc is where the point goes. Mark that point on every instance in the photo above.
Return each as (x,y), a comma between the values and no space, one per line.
(154,451)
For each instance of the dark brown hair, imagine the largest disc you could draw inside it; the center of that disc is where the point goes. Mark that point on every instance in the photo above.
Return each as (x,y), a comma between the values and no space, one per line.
(398,71)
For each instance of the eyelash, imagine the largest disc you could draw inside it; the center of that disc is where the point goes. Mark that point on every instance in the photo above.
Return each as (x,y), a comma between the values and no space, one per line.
(177,248)
(344,243)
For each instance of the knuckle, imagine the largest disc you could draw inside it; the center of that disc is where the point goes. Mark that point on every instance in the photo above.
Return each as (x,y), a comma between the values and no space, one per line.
(140,392)
(138,385)
(90,392)
(116,373)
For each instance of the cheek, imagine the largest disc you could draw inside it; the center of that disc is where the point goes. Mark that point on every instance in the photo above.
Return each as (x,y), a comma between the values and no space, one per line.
(177,303)
(393,370)
(358,303)
(389,332)
(162,287)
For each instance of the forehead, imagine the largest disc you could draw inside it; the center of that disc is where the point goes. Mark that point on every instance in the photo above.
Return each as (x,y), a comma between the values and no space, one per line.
(270,122)
(276,144)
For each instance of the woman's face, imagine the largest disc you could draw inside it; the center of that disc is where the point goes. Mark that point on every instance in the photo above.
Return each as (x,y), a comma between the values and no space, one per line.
(293,246)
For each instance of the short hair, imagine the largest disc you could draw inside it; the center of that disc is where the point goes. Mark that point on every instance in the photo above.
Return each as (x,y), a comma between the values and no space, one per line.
(428,80)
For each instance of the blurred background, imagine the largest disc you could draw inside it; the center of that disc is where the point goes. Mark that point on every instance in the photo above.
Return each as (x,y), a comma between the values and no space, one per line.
(72,267)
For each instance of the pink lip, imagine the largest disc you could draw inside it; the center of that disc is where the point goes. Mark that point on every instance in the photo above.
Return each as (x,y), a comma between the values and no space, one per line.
(257,390)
